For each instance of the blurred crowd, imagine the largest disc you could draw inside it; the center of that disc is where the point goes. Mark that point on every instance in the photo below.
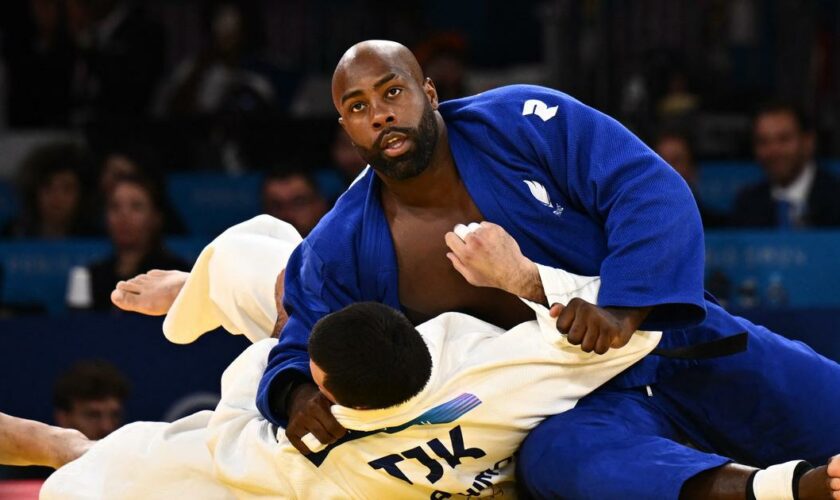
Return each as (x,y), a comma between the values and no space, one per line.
(144,89)
(138,91)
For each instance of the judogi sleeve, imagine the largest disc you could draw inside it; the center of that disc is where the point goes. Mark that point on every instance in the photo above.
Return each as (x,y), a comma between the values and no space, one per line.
(651,221)
(308,296)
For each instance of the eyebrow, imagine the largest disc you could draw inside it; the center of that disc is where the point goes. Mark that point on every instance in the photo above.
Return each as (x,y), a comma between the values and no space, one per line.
(382,81)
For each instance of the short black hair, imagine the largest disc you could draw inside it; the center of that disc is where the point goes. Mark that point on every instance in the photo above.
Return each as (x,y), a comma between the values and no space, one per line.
(284,173)
(781,106)
(92,380)
(372,356)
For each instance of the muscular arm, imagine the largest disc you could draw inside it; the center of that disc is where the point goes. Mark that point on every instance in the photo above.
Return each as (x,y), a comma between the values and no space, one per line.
(27,442)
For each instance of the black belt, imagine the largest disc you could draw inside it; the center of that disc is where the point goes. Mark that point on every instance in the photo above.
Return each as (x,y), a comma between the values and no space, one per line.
(717,348)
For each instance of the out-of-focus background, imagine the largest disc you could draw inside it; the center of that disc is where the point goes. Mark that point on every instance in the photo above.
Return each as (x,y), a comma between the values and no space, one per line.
(132,133)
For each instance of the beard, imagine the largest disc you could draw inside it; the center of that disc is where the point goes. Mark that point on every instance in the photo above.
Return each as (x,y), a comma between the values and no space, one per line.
(414,161)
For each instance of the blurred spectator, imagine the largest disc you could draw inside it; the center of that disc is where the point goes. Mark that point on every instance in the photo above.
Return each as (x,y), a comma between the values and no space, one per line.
(442,58)
(679,103)
(292,196)
(89,397)
(53,194)
(135,224)
(39,61)
(227,76)
(796,193)
(676,150)
(120,61)
(345,157)
(132,160)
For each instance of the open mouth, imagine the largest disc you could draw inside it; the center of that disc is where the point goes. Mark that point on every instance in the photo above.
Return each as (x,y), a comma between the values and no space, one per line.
(395,144)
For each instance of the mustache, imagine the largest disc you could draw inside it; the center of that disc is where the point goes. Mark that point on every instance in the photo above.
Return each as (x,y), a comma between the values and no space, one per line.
(409,132)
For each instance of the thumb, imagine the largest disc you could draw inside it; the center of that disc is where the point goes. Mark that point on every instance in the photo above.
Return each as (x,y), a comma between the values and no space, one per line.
(555,310)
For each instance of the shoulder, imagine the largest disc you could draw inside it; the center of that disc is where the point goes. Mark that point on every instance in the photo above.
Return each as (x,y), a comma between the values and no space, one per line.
(511,99)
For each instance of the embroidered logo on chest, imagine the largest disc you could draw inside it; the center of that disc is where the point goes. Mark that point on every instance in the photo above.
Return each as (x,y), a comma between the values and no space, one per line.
(541,194)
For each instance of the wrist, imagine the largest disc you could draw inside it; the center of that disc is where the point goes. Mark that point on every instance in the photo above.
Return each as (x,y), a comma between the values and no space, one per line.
(630,318)
(528,283)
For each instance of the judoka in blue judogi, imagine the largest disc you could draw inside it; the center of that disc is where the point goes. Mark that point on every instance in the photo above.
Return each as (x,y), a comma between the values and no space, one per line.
(577,191)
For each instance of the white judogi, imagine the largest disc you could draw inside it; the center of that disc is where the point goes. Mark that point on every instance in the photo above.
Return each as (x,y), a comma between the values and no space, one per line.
(488,388)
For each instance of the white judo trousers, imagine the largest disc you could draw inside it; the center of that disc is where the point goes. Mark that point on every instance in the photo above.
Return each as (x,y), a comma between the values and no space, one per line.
(488,388)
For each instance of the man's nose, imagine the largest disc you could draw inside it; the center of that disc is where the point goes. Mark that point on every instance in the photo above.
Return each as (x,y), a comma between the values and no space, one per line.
(383,116)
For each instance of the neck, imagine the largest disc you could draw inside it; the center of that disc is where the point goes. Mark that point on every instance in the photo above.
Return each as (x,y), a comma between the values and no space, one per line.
(438,185)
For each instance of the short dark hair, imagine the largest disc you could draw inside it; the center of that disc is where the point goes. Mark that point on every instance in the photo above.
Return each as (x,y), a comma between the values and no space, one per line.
(372,356)
(286,173)
(92,380)
(803,121)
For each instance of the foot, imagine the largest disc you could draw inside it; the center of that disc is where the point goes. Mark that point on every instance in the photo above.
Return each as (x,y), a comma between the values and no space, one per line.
(151,293)
(67,445)
(821,482)
(833,472)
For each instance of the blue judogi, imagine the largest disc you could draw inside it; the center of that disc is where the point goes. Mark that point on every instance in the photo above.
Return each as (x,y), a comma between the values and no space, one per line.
(576,190)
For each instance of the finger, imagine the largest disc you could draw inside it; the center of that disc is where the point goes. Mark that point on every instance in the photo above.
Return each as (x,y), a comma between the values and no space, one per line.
(329,421)
(313,425)
(454,243)
(461,231)
(457,263)
(603,344)
(565,319)
(555,310)
(297,443)
(577,332)
(590,339)
(834,483)
(128,286)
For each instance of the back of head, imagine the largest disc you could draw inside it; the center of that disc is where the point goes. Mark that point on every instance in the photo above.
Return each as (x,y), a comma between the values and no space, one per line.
(372,356)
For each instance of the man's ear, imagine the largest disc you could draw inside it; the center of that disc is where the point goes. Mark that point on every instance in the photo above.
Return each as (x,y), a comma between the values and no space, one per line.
(431,92)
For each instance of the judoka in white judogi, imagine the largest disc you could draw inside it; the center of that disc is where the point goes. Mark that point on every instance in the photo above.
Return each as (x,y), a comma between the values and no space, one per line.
(457,437)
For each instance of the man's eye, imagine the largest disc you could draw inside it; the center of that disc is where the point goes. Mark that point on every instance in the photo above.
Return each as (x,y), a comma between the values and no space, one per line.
(394,91)
(357,107)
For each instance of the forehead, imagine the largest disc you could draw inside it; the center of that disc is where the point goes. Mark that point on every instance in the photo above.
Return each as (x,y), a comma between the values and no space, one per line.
(362,71)
(775,120)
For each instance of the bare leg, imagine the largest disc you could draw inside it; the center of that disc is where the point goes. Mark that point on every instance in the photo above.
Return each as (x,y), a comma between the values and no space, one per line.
(150,293)
(27,442)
